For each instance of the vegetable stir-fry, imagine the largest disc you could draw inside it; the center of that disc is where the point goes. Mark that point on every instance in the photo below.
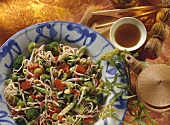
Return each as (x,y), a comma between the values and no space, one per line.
(57,85)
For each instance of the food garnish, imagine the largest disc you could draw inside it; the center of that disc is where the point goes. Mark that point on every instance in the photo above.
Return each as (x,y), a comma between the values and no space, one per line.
(135,106)
(55,85)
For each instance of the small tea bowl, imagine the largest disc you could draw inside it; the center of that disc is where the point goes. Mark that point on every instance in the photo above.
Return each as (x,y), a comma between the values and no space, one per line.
(128,20)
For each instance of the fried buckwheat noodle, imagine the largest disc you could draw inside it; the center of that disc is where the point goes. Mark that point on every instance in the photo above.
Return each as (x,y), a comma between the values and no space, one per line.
(54,89)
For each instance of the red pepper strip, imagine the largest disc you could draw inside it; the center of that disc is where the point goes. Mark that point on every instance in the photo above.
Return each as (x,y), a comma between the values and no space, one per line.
(33,66)
(40,97)
(65,67)
(14,112)
(55,74)
(76,75)
(88,120)
(60,118)
(81,69)
(29,76)
(55,109)
(49,117)
(33,96)
(59,85)
(25,85)
(32,70)
(51,114)
(67,71)
(55,98)
(42,104)
(37,75)
(74,91)
(55,58)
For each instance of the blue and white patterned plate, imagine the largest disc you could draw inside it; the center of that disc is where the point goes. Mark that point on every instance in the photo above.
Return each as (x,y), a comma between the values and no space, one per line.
(67,33)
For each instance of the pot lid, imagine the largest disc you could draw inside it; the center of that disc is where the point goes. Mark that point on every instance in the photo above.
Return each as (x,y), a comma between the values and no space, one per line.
(153,87)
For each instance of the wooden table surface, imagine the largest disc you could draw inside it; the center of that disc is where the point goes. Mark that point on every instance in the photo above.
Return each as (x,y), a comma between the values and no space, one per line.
(18,14)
